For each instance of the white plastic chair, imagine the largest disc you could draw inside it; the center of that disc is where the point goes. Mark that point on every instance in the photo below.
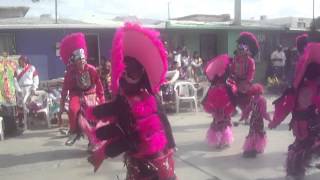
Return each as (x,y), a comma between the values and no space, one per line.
(43,96)
(185,91)
(1,129)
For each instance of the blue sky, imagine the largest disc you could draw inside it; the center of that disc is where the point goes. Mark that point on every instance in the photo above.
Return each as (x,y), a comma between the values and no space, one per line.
(84,9)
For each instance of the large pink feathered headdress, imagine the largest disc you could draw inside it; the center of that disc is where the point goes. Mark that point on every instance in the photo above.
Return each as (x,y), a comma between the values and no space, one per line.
(301,42)
(217,66)
(70,44)
(144,45)
(250,40)
(311,55)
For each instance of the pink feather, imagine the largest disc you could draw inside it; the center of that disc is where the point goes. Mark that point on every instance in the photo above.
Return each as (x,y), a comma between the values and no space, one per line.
(311,55)
(217,66)
(282,108)
(301,42)
(216,138)
(152,135)
(218,98)
(71,43)
(144,108)
(255,142)
(118,65)
(98,155)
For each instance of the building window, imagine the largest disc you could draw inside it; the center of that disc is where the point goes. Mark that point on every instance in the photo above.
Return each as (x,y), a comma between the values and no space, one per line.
(7,43)
(301,24)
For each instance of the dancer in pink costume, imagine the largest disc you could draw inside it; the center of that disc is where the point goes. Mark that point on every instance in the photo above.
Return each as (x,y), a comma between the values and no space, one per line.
(302,101)
(256,140)
(218,102)
(243,67)
(136,125)
(81,83)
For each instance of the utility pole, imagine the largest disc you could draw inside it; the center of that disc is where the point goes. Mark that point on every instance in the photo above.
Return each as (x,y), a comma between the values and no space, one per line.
(237,12)
(168,10)
(313,11)
(56,11)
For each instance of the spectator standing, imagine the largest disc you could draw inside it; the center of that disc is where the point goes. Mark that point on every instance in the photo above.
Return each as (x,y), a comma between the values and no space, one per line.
(196,64)
(278,60)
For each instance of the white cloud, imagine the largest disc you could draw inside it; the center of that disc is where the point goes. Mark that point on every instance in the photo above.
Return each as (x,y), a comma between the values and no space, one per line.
(79,9)
(276,8)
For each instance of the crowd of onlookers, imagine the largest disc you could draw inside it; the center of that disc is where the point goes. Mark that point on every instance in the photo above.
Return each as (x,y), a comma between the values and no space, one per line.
(281,67)
(281,64)
(189,66)
(186,66)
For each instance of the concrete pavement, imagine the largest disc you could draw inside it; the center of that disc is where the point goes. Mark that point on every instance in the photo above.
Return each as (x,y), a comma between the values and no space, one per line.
(40,155)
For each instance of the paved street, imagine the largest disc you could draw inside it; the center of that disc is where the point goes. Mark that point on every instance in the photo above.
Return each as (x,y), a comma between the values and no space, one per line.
(39,155)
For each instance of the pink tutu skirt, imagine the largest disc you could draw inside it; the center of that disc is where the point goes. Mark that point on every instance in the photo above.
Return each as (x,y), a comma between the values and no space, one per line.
(219,138)
(255,142)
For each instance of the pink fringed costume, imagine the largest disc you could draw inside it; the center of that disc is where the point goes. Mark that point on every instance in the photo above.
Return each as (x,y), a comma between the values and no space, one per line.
(302,101)
(256,140)
(82,85)
(218,102)
(139,127)
(243,66)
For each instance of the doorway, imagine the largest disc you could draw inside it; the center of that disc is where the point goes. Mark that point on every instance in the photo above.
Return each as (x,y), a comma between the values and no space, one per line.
(208,46)
(93,47)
